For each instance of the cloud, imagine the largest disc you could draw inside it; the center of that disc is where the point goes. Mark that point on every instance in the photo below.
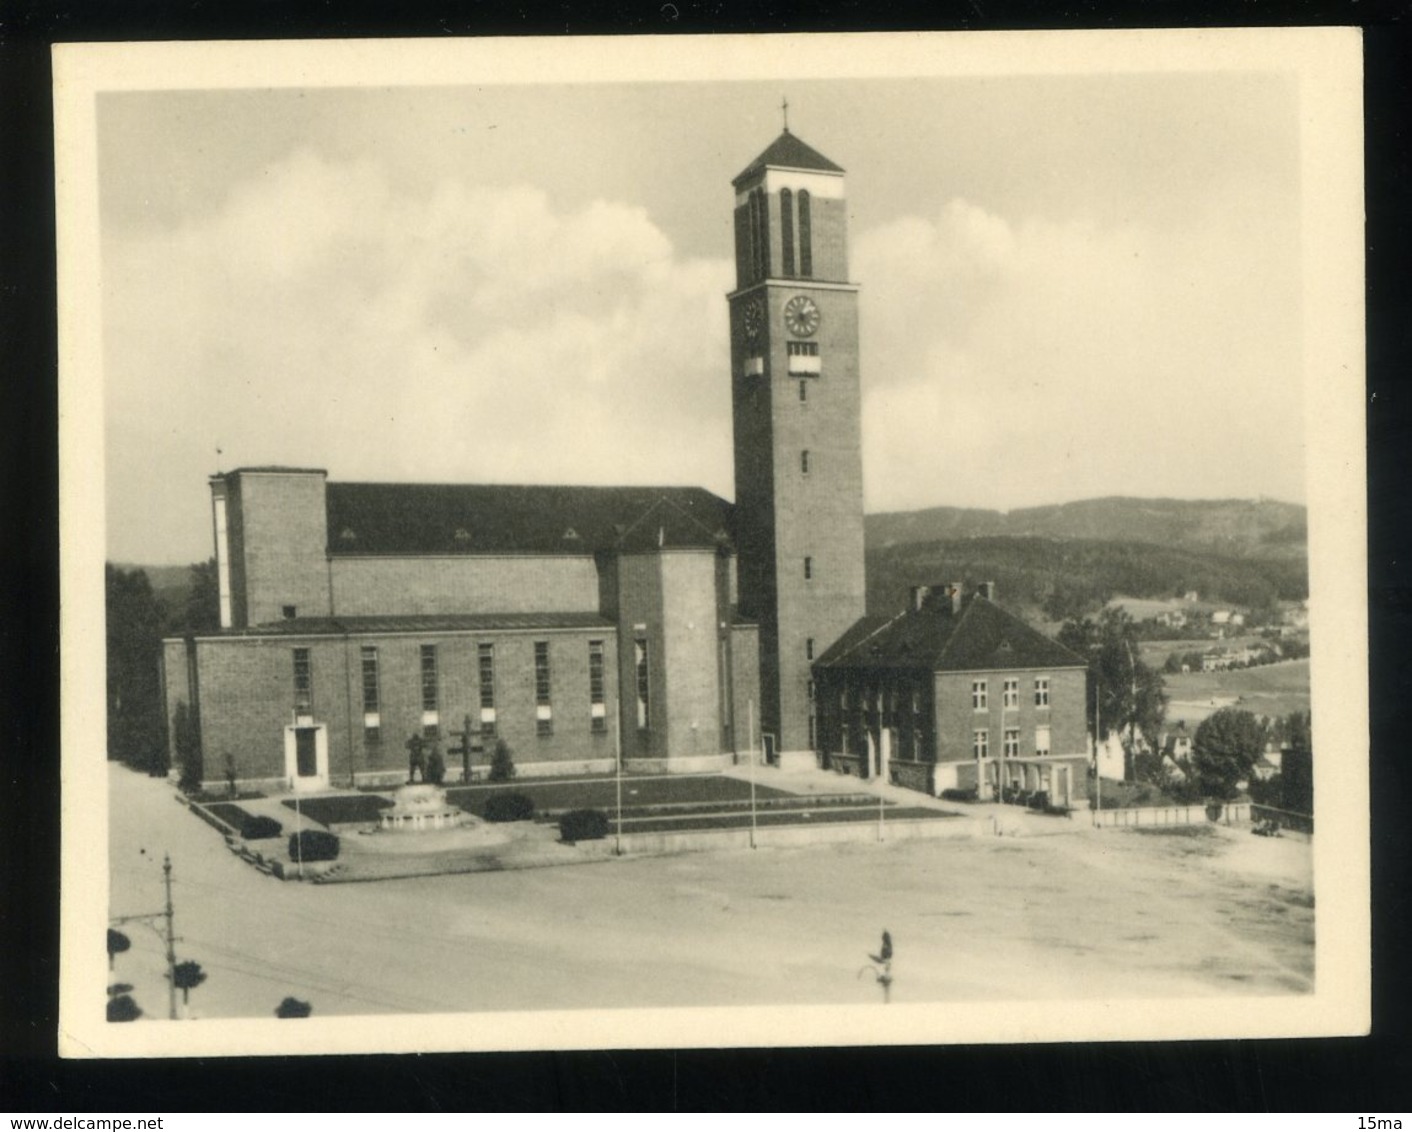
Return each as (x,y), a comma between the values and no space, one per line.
(1009,363)
(467,334)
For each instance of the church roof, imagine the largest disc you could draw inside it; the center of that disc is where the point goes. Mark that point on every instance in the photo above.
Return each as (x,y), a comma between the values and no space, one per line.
(982,636)
(420,623)
(417,519)
(788,152)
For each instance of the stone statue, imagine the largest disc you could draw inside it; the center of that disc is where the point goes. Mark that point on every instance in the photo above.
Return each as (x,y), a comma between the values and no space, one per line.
(416,759)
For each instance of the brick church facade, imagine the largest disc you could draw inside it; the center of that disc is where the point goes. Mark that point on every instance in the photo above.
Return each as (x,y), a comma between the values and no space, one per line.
(665,626)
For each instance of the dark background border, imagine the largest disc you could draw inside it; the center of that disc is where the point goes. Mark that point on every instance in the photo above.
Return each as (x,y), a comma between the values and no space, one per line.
(1368,1075)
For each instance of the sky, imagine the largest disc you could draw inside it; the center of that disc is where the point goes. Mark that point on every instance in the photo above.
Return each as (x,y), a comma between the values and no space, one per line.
(1071,286)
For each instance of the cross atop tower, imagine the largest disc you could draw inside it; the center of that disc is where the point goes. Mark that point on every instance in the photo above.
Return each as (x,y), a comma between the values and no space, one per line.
(784,109)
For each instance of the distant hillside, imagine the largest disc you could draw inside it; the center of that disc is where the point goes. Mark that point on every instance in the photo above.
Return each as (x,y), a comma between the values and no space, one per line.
(1028,571)
(1234,528)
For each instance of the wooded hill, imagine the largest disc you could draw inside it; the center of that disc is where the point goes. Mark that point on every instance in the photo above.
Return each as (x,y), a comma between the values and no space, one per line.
(1069,577)
(1232,528)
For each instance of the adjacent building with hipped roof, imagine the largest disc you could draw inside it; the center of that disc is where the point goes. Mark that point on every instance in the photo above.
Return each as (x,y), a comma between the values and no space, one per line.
(955,693)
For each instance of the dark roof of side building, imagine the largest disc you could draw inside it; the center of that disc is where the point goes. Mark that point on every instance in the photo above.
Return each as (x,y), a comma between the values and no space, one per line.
(408,519)
(981,636)
(789,152)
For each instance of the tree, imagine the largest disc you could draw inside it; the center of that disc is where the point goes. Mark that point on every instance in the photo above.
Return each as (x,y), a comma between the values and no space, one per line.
(502,762)
(122,1008)
(186,736)
(136,721)
(1224,750)
(203,600)
(1130,696)
(187,976)
(293,1007)
(117,944)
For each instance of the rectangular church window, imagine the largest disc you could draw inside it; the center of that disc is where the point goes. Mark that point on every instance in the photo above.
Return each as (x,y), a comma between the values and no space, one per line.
(644,714)
(597,701)
(372,700)
(431,717)
(303,683)
(544,710)
(485,662)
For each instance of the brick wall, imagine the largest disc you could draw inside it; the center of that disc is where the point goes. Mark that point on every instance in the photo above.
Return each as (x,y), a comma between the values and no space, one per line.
(479,584)
(247,693)
(692,657)
(277,524)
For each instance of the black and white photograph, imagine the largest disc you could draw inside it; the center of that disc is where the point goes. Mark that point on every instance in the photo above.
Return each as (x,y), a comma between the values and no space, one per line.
(813,540)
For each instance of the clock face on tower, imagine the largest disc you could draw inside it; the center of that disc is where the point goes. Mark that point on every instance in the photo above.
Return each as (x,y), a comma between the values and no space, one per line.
(801,316)
(753,318)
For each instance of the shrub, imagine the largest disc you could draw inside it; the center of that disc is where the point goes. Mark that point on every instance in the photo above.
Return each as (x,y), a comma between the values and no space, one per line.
(502,762)
(953,795)
(1039,800)
(313,845)
(509,807)
(436,767)
(293,1007)
(583,825)
(259,828)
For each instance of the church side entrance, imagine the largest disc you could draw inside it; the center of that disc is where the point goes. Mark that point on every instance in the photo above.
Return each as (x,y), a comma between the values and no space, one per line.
(306,757)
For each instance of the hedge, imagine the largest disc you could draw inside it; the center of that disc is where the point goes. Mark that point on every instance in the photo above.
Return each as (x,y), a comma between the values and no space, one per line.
(952,795)
(258,828)
(509,807)
(313,845)
(583,825)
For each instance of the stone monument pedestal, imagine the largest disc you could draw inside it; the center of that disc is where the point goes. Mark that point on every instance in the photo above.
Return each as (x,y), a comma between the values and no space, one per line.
(420,807)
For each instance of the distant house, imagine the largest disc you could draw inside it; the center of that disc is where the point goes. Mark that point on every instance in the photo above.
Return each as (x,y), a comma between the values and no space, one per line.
(1214,662)
(1220,617)
(1110,758)
(1174,618)
(1237,618)
(1176,744)
(1191,595)
(954,693)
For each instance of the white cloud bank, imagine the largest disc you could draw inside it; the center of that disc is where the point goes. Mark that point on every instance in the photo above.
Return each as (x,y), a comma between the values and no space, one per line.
(1011,364)
(473,334)
(322,317)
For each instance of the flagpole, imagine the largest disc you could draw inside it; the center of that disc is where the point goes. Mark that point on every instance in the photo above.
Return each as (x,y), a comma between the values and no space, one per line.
(618,763)
(752,772)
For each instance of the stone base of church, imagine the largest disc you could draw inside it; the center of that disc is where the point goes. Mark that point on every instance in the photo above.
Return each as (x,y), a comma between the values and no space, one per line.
(798,760)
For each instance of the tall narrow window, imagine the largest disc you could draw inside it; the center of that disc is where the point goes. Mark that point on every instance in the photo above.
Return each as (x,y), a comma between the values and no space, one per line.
(787,231)
(753,210)
(1041,691)
(980,744)
(804,391)
(980,695)
(543,705)
(303,683)
(372,700)
(644,703)
(1012,694)
(762,219)
(808,568)
(809,648)
(485,661)
(804,462)
(1041,741)
(1012,742)
(597,701)
(806,250)
(431,718)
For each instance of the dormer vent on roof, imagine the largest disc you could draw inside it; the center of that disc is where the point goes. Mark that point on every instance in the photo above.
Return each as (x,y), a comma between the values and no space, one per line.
(462,535)
(347,535)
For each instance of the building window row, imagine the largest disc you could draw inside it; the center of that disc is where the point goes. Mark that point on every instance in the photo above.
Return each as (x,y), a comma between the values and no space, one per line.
(1010,694)
(431,693)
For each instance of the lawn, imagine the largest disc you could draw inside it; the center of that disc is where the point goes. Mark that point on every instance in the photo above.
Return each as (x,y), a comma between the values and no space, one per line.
(341,809)
(601,793)
(824,816)
(1269,689)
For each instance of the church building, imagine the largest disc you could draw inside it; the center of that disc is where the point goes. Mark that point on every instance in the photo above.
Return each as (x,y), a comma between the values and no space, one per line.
(572,623)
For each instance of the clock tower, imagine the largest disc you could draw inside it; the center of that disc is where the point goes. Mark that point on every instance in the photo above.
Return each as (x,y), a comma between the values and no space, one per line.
(796,414)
